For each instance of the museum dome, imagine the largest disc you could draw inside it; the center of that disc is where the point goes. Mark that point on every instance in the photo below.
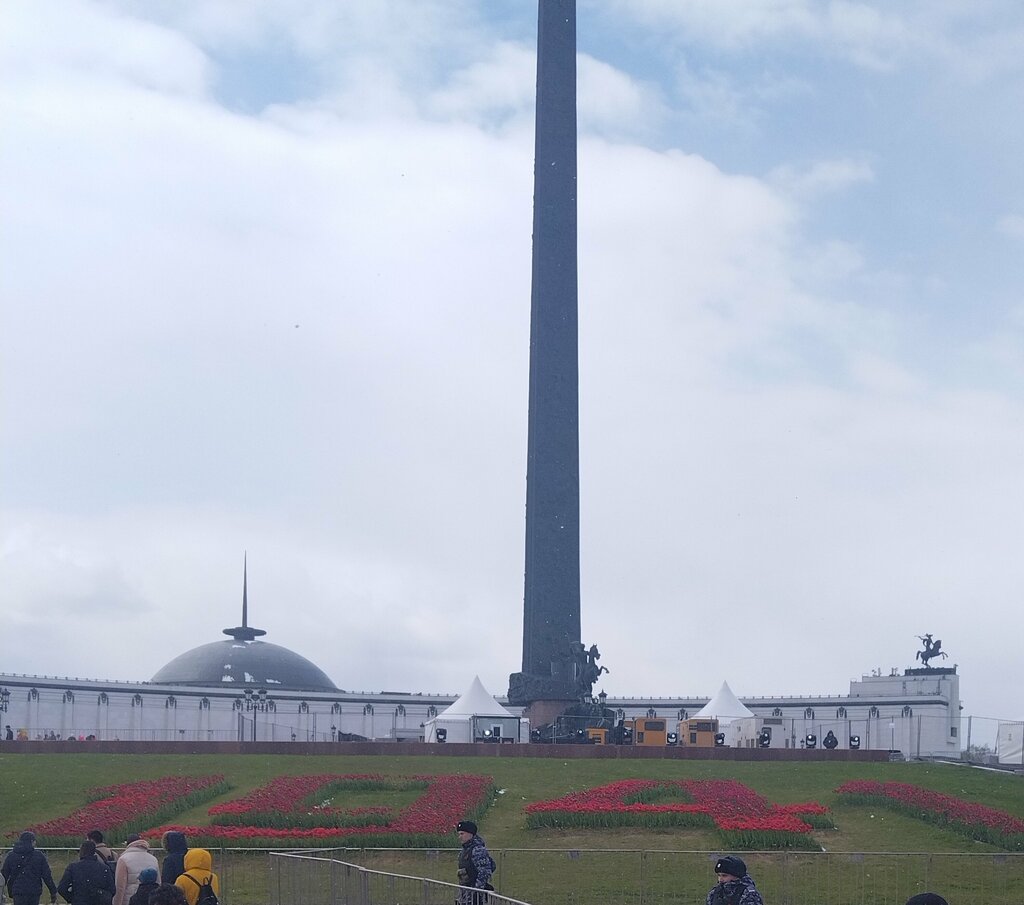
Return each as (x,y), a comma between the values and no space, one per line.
(243,661)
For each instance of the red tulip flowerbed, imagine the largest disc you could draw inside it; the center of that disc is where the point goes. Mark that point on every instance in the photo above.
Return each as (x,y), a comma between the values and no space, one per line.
(307,801)
(743,818)
(973,820)
(130,808)
(299,811)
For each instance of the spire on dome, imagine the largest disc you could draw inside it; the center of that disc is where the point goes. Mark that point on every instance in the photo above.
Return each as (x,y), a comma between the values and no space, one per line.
(243,632)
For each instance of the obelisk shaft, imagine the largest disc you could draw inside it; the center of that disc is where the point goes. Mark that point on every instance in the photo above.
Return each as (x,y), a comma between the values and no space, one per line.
(551,604)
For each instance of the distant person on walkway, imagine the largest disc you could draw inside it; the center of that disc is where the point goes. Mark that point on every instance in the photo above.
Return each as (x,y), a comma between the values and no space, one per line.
(134,859)
(475,864)
(8,733)
(25,870)
(198,870)
(167,894)
(176,845)
(149,881)
(927,898)
(735,886)
(103,851)
(87,881)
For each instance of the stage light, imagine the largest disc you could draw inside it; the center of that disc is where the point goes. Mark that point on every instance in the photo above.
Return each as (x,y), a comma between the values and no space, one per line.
(764,738)
(854,742)
(719,739)
(811,741)
(673,738)
(442,735)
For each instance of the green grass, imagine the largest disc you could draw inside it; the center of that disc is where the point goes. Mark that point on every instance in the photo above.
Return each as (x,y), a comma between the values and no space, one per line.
(39,787)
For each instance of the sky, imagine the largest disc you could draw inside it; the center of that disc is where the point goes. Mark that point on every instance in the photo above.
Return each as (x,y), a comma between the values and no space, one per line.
(265,291)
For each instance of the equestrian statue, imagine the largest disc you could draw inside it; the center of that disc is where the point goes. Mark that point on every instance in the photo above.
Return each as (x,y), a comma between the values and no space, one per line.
(931,650)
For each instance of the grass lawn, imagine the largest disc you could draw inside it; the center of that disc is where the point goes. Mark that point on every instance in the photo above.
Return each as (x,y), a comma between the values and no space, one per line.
(604,865)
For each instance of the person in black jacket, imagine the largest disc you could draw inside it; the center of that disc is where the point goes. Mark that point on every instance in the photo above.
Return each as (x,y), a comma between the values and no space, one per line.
(175,844)
(25,870)
(87,879)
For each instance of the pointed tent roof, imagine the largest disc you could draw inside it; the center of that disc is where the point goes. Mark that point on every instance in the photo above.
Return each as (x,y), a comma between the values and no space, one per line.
(723,706)
(477,701)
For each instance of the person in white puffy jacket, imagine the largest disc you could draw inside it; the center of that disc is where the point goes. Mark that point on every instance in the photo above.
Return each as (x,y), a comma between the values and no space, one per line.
(133,861)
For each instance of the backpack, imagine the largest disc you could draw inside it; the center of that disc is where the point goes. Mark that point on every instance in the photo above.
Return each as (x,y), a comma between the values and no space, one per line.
(206,894)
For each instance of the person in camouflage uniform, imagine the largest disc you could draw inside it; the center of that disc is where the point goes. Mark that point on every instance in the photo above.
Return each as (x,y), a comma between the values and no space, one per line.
(735,886)
(476,866)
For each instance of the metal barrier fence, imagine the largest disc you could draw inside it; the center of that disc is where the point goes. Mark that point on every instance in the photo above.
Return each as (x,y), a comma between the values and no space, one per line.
(299,878)
(605,877)
(548,877)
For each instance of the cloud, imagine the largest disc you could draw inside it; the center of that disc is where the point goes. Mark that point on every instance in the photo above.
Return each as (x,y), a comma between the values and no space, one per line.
(858,31)
(93,44)
(977,42)
(503,84)
(822,177)
(305,333)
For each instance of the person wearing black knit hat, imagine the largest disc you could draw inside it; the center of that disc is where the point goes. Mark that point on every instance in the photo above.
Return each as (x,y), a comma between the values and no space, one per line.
(476,866)
(735,886)
(927,898)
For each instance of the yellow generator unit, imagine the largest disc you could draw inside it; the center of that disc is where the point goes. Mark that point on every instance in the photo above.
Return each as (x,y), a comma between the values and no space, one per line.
(698,733)
(649,732)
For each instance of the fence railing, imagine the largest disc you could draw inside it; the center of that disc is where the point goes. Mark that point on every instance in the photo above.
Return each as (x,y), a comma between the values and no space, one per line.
(252,876)
(298,878)
(588,877)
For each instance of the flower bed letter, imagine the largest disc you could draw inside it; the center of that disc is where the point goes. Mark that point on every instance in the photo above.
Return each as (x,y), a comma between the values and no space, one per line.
(973,820)
(743,818)
(130,808)
(301,810)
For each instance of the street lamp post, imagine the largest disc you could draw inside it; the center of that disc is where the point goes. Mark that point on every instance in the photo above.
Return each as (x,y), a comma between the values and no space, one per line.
(892,736)
(257,702)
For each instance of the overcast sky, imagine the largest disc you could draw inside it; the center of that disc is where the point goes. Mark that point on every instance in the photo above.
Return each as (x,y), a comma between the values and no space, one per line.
(265,276)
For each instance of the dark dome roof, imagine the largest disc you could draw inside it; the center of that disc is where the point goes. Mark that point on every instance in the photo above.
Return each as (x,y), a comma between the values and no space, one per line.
(239,663)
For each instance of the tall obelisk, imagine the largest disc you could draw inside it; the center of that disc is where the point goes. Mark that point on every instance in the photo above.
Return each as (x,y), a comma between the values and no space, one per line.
(551,605)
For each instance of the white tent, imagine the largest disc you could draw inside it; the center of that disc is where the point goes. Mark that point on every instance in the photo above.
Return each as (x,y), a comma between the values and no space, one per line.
(724,707)
(476,716)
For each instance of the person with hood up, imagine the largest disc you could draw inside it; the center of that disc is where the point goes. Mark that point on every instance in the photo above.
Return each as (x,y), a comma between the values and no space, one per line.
(148,881)
(25,870)
(88,879)
(735,886)
(198,870)
(134,859)
(475,864)
(176,845)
